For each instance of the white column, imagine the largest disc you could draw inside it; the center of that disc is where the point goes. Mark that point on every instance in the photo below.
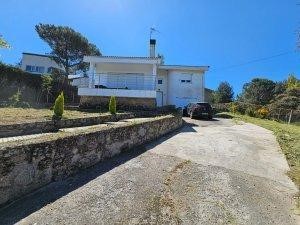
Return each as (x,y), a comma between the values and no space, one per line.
(154,73)
(92,75)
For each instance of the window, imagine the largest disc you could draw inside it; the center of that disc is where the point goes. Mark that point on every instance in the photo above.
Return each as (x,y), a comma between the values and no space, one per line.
(159,81)
(28,68)
(186,81)
(49,70)
(36,69)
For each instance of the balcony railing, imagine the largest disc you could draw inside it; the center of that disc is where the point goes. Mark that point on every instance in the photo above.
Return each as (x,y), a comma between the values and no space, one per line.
(127,81)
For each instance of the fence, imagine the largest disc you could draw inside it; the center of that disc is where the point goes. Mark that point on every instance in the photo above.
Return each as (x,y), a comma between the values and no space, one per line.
(278,114)
(119,81)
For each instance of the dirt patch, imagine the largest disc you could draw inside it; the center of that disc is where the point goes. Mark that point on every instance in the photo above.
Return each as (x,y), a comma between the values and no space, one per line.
(166,206)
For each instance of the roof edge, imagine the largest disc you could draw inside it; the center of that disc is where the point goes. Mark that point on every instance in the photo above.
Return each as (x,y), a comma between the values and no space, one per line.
(183,67)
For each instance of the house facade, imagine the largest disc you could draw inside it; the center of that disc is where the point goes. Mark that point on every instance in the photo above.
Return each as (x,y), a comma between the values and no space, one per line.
(139,81)
(38,63)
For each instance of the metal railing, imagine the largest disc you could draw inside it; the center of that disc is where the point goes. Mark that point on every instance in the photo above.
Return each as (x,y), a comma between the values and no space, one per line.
(127,81)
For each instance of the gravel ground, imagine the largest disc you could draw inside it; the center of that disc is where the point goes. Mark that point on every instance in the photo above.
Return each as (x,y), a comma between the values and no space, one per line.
(209,172)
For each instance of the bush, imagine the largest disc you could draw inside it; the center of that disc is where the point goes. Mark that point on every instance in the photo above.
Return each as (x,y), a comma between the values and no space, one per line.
(112,105)
(59,106)
(263,112)
(233,107)
(250,112)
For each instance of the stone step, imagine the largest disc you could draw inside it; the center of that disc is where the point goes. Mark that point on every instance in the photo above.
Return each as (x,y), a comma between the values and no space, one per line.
(71,130)
(23,137)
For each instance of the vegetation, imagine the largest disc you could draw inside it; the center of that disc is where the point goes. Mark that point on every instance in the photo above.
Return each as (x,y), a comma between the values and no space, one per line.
(47,83)
(59,106)
(258,91)
(288,137)
(3,43)
(11,115)
(224,93)
(112,105)
(264,98)
(68,46)
(34,89)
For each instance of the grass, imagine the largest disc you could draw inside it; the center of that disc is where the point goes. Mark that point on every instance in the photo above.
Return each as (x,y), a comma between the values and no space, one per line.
(288,137)
(19,115)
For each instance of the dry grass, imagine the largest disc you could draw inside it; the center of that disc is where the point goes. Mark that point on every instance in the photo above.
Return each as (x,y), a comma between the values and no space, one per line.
(19,115)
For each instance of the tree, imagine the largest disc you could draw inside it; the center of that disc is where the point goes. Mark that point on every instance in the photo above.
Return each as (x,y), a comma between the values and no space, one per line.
(224,93)
(280,88)
(3,43)
(259,91)
(68,46)
(112,105)
(59,104)
(47,83)
(292,82)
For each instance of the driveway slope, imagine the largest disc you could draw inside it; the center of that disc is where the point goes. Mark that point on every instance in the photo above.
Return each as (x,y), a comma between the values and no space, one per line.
(209,172)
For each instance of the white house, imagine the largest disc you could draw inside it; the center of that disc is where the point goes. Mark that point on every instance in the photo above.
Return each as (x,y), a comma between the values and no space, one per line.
(38,64)
(139,81)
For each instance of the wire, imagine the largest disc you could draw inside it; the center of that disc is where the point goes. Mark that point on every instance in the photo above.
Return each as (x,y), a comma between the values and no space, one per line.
(255,60)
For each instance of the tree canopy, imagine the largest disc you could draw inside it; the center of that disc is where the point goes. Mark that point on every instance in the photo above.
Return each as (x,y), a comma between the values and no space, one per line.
(3,43)
(259,91)
(224,93)
(292,82)
(68,46)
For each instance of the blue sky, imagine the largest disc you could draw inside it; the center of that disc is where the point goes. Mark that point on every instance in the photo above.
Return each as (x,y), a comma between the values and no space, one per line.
(193,32)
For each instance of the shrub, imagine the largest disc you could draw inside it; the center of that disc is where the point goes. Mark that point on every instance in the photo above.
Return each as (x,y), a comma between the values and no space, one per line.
(59,106)
(263,112)
(112,105)
(16,98)
(250,112)
(233,107)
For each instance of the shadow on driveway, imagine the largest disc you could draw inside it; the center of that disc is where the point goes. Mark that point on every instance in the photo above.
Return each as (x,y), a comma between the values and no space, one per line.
(23,207)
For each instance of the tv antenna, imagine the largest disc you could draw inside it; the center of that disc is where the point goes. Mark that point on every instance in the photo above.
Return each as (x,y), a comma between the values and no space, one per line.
(153,30)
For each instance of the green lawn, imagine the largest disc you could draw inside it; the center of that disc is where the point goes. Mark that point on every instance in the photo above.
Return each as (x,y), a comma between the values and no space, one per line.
(288,137)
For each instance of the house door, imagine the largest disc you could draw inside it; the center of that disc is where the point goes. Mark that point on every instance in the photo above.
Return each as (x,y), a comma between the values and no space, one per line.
(159,98)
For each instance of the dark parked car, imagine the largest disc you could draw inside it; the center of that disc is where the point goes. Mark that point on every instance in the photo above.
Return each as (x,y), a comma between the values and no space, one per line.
(199,109)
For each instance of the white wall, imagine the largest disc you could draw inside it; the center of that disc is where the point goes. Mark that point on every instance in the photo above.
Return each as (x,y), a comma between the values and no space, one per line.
(36,60)
(117,92)
(180,94)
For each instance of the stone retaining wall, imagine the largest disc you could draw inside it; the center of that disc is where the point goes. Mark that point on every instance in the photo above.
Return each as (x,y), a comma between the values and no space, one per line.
(31,164)
(52,126)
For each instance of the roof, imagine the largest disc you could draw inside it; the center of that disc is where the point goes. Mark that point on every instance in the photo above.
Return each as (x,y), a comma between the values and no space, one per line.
(42,55)
(183,67)
(125,57)
(122,59)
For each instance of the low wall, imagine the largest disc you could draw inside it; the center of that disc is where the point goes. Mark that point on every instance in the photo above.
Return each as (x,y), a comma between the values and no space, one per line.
(31,164)
(122,102)
(52,126)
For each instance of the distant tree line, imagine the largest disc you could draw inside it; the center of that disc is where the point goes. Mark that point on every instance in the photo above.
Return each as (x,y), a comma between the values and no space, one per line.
(261,97)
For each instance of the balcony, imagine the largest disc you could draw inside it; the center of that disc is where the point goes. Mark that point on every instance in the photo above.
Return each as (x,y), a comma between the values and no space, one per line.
(121,85)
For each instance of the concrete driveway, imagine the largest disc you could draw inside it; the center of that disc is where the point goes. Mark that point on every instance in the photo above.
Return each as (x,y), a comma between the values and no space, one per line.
(209,172)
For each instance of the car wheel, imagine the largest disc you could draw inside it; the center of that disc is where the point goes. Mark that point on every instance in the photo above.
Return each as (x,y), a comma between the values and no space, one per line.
(210,117)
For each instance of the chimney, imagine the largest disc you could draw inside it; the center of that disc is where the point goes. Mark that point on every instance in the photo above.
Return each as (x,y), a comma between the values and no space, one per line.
(152,48)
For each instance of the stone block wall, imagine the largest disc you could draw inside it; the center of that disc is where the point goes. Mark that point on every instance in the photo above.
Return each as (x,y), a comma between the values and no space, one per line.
(122,102)
(52,126)
(30,164)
